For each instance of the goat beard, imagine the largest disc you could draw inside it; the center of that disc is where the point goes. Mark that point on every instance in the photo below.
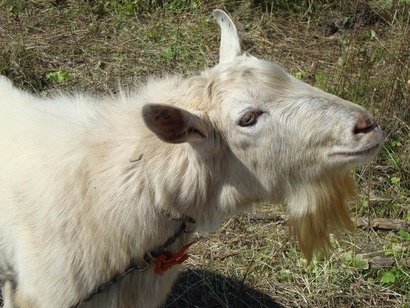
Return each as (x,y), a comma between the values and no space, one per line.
(317,209)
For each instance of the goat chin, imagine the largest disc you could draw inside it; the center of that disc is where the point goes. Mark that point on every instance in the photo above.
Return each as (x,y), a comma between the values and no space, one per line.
(319,208)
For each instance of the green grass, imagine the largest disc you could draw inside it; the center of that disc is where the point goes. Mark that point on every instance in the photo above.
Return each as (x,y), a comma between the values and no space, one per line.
(49,46)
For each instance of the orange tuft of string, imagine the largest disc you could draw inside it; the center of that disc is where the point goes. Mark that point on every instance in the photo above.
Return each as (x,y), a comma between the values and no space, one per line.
(165,260)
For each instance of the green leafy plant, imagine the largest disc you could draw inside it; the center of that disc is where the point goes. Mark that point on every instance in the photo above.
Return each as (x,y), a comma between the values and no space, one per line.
(58,76)
(391,276)
(404,234)
(355,260)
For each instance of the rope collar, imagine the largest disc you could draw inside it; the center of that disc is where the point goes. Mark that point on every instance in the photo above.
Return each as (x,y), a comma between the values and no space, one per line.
(161,257)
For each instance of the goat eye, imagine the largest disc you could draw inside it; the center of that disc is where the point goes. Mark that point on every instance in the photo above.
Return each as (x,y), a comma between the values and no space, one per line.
(250,118)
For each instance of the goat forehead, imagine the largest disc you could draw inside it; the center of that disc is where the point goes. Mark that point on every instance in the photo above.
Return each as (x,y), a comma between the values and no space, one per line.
(247,80)
(251,69)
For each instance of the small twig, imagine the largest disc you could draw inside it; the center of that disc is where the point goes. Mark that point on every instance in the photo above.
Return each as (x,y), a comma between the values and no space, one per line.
(385,224)
(267,219)
(244,278)
(384,262)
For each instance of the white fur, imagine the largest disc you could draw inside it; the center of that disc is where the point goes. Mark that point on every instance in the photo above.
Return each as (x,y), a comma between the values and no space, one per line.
(76,207)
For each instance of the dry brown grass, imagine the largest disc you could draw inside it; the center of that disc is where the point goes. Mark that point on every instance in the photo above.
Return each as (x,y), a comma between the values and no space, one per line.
(252,261)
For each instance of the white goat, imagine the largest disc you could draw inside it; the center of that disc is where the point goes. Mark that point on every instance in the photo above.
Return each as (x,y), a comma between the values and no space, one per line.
(91,185)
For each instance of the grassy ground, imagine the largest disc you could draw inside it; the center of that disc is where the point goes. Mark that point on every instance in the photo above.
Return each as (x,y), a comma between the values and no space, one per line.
(355,49)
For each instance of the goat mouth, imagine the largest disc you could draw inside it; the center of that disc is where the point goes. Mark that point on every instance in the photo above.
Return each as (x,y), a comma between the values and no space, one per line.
(358,153)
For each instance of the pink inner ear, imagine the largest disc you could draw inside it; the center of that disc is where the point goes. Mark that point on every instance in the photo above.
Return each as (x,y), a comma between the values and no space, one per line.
(169,120)
(166,122)
(172,124)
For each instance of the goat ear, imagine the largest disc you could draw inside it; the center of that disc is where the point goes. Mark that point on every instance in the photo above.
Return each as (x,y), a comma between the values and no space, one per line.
(230,44)
(174,125)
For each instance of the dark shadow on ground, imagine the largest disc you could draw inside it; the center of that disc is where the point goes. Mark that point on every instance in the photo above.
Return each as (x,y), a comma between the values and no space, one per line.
(204,289)
(197,288)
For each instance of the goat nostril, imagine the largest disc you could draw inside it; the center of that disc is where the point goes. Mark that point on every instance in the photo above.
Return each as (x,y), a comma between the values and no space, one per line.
(364,125)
